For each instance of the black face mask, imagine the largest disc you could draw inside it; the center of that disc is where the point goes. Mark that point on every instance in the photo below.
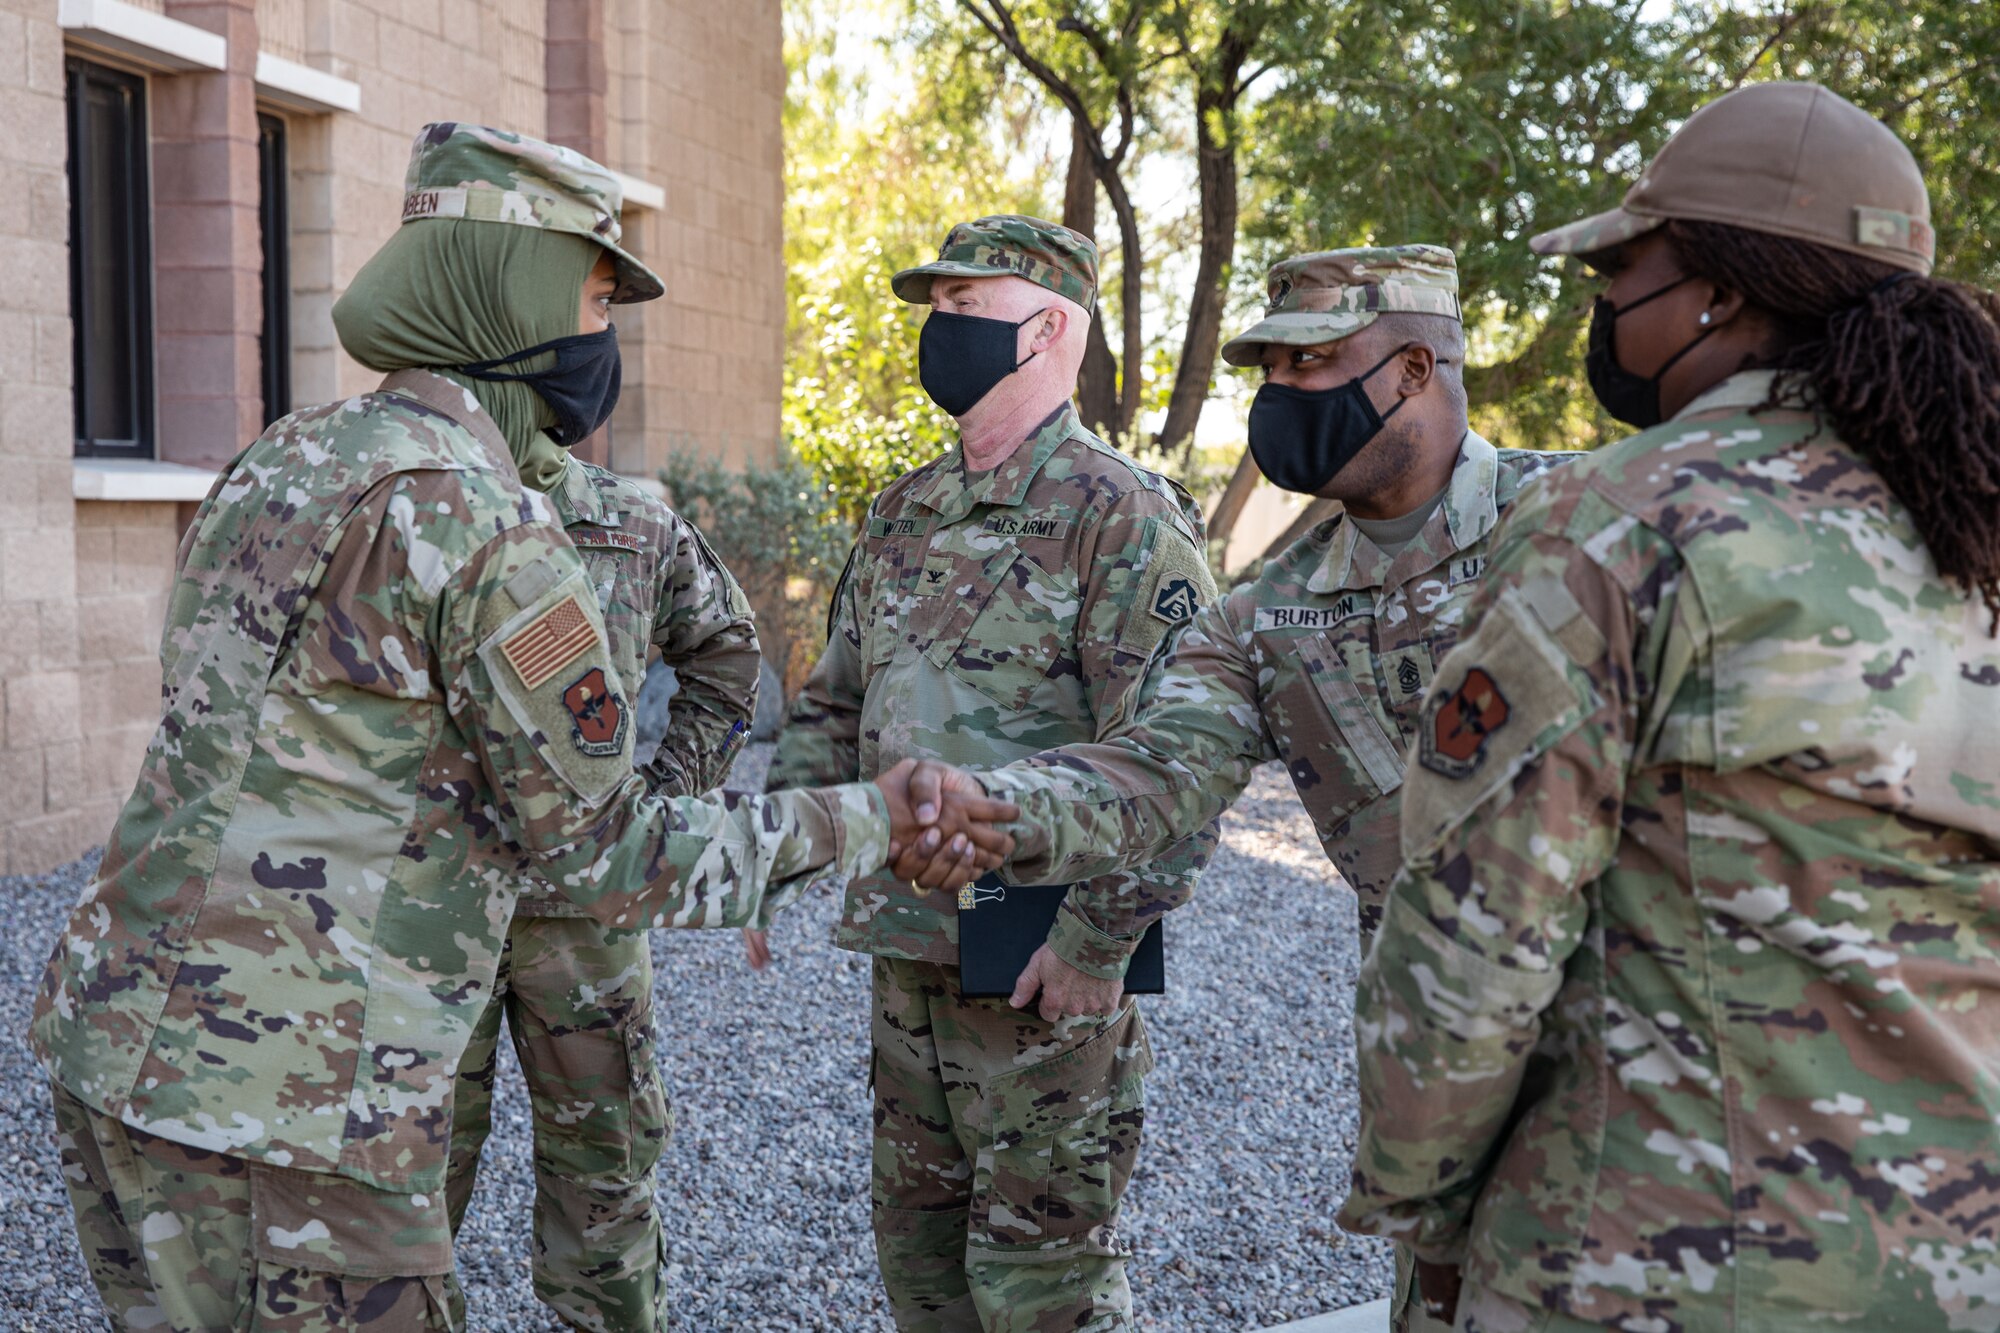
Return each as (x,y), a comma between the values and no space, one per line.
(961,357)
(1302,438)
(1632,399)
(581,388)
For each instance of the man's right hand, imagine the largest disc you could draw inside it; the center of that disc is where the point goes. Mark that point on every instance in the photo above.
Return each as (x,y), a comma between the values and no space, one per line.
(941,824)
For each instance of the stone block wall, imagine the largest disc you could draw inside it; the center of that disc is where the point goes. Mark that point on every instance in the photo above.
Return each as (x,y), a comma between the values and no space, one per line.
(696,106)
(42,727)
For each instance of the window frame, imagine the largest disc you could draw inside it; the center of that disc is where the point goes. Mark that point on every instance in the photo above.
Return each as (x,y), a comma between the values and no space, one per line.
(79,74)
(274,231)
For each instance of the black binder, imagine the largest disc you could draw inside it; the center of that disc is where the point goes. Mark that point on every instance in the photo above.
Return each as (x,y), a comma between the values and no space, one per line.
(1006,923)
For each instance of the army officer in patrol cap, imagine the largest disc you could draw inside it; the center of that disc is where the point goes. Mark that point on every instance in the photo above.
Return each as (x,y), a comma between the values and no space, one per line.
(1002,598)
(1685,1010)
(388,693)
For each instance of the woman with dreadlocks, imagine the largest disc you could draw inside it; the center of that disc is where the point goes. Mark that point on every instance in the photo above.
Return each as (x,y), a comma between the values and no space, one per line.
(1685,1010)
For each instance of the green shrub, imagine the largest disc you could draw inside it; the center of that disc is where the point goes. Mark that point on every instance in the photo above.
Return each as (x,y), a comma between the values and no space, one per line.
(781,532)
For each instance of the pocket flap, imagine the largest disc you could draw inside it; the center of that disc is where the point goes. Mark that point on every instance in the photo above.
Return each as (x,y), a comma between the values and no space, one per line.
(329,1224)
(1036,1102)
(1374,749)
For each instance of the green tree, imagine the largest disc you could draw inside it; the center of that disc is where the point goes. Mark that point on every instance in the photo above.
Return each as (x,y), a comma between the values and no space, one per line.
(1118,69)
(880,158)
(1477,123)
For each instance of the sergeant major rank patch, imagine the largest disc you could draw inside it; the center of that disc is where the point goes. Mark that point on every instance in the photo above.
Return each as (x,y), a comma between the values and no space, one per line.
(597,714)
(1452,741)
(549,642)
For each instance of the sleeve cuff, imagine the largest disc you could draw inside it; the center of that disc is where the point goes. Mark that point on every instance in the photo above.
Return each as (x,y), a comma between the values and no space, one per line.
(1088,949)
(1033,793)
(860,815)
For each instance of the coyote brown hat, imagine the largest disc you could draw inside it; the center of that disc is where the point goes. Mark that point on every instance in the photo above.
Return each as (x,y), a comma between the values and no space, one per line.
(1788,158)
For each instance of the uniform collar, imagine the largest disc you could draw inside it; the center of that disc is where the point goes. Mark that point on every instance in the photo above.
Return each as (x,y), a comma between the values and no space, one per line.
(452,400)
(1738,393)
(576,498)
(948,492)
(1467,513)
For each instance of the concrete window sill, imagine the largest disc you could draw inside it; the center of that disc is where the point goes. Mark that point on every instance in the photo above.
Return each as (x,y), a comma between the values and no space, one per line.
(641,193)
(137,479)
(302,88)
(140,35)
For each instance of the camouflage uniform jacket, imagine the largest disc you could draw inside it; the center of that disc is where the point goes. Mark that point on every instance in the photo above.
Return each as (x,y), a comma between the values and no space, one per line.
(384,672)
(984,619)
(1683,1013)
(1321,662)
(659,586)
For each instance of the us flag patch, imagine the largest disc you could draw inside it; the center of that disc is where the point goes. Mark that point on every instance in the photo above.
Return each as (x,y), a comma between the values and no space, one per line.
(550,642)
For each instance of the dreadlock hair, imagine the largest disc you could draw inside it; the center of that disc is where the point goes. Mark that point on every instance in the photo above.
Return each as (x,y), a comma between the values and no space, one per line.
(1905,368)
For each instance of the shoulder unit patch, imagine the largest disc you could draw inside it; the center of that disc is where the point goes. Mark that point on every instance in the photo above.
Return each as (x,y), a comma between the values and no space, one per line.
(597,714)
(1452,740)
(1176,600)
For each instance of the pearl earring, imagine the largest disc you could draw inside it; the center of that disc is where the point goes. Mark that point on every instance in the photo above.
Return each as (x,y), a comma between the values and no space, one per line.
(1704,317)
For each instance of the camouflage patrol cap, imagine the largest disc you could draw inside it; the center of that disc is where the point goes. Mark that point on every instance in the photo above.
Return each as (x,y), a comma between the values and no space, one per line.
(1046,253)
(1321,297)
(485,175)
(1788,158)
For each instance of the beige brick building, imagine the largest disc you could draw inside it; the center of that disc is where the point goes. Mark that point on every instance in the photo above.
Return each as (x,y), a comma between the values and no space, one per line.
(185,188)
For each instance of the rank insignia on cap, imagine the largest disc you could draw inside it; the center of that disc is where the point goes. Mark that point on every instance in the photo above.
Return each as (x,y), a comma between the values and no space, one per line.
(550,642)
(1176,601)
(1453,741)
(597,714)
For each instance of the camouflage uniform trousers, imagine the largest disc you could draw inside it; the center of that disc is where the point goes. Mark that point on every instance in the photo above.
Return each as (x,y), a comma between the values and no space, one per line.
(1406,1302)
(1002,1146)
(1482,1310)
(183,1240)
(578,1000)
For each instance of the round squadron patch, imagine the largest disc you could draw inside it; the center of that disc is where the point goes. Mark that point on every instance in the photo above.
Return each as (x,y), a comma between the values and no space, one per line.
(1453,740)
(597,714)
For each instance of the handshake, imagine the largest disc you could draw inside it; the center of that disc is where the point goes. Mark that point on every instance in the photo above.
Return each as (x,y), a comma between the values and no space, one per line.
(943,829)
(944,832)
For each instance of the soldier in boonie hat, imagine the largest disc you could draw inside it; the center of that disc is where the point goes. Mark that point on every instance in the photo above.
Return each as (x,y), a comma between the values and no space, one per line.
(1322,297)
(1045,253)
(487,175)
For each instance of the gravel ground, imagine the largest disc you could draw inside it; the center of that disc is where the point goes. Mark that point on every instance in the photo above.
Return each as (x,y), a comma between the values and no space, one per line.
(1250,1126)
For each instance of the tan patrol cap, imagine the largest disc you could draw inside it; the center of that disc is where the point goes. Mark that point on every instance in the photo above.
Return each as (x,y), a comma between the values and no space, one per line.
(1788,158)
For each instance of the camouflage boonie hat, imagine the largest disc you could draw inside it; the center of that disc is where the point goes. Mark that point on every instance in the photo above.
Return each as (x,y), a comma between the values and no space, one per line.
(1790,159)
(486,175)
(1046,253)
(1322,297)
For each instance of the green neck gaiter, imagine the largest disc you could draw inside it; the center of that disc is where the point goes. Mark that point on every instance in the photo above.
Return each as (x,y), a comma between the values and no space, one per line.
(447,292)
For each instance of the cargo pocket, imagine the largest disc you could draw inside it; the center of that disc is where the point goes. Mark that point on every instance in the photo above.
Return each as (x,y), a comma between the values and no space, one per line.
(1062,1139)
(652,1116)
(333,1253)
(1371,754)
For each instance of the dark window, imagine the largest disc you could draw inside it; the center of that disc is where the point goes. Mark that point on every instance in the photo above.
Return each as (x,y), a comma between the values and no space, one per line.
(274,344)
(110,262)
